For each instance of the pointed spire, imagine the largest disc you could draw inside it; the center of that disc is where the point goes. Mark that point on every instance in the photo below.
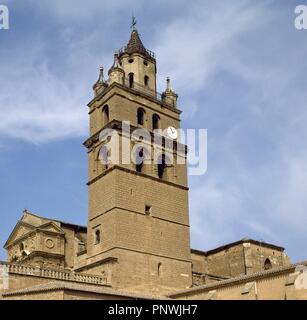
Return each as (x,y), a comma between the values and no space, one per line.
(101,77)
(135,44)
(100,85)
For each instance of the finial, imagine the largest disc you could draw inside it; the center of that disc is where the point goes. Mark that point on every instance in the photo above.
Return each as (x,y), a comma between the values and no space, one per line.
(133,24)
(101,76)
(168,84)
(116,62)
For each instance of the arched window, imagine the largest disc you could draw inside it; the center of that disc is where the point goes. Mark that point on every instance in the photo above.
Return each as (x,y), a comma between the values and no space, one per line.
(146,81)
(131,79)
(97,236)
(267,264)
(141,116)
(105,115)
(165,167)
(103,156)
(155,122)
(161,166)
(139,159)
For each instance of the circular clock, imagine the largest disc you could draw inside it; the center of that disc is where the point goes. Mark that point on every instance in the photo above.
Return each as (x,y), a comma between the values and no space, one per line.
(172,133)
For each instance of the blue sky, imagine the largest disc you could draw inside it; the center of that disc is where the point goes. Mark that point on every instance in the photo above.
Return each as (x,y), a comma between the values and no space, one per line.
(240,69)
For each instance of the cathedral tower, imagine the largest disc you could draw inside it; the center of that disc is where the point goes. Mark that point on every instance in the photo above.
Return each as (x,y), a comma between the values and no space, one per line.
(138,223)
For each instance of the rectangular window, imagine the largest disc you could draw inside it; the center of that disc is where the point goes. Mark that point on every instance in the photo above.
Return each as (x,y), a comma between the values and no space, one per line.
(148,209)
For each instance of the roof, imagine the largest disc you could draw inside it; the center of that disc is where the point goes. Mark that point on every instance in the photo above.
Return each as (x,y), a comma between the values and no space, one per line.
(135,45)
(63,223)
(232,244)
(239,279)
(62,286)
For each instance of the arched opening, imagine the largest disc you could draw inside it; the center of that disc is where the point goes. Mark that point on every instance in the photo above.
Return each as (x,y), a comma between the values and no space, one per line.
(139,159)
(141,116)
(267,264)
(155,122)
(103,156)
(97,236)
(105,115)
(146,81)
(161,166)
(131,80)
(165,167)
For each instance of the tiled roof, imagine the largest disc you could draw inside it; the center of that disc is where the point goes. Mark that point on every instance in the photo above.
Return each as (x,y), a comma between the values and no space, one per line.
(135,44)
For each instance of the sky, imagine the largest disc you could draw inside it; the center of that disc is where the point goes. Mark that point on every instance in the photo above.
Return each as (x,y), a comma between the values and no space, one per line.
(240,70)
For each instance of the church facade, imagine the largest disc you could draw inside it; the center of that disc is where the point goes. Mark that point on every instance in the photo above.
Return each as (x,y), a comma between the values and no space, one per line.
(136,244)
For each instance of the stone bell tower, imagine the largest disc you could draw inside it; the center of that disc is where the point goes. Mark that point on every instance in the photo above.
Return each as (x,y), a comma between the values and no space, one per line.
(138,222)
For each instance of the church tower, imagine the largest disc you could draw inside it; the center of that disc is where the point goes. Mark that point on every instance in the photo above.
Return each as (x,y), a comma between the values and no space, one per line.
(138,222)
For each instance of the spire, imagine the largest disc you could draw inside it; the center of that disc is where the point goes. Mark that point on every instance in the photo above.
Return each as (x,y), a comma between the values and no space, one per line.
(169,96)
(101,77)
(100,85)
(168,84)
(135,44)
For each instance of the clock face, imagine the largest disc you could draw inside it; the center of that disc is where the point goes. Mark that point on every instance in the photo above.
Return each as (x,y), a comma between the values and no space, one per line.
(172,132)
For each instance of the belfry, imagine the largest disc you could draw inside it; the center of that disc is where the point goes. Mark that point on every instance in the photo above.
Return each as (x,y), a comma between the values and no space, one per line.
(138,211)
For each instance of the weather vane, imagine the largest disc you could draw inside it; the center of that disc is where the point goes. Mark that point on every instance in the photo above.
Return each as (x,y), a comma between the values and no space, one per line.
(133,24)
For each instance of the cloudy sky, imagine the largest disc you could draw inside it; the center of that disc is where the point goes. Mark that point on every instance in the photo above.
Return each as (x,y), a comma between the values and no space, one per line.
(240,69)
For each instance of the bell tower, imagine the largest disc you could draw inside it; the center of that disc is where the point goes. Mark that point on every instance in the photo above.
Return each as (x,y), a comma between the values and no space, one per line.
(138,221)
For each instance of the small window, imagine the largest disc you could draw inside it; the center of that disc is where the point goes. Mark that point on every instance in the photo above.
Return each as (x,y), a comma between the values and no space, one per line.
(140,116)
(139,160)
(148,209)
(21,247)
(267,264)
(130,60)
(97,236)
(155,122)
(105,114)
(145,63)
(146,81)
(161,166)
(131,79)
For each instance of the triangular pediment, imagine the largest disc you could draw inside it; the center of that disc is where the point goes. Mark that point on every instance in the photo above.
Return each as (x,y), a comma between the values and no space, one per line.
(21,229)
(51,226)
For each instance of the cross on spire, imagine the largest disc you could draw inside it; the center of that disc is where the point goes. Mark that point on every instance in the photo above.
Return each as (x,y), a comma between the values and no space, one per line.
(133,24)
